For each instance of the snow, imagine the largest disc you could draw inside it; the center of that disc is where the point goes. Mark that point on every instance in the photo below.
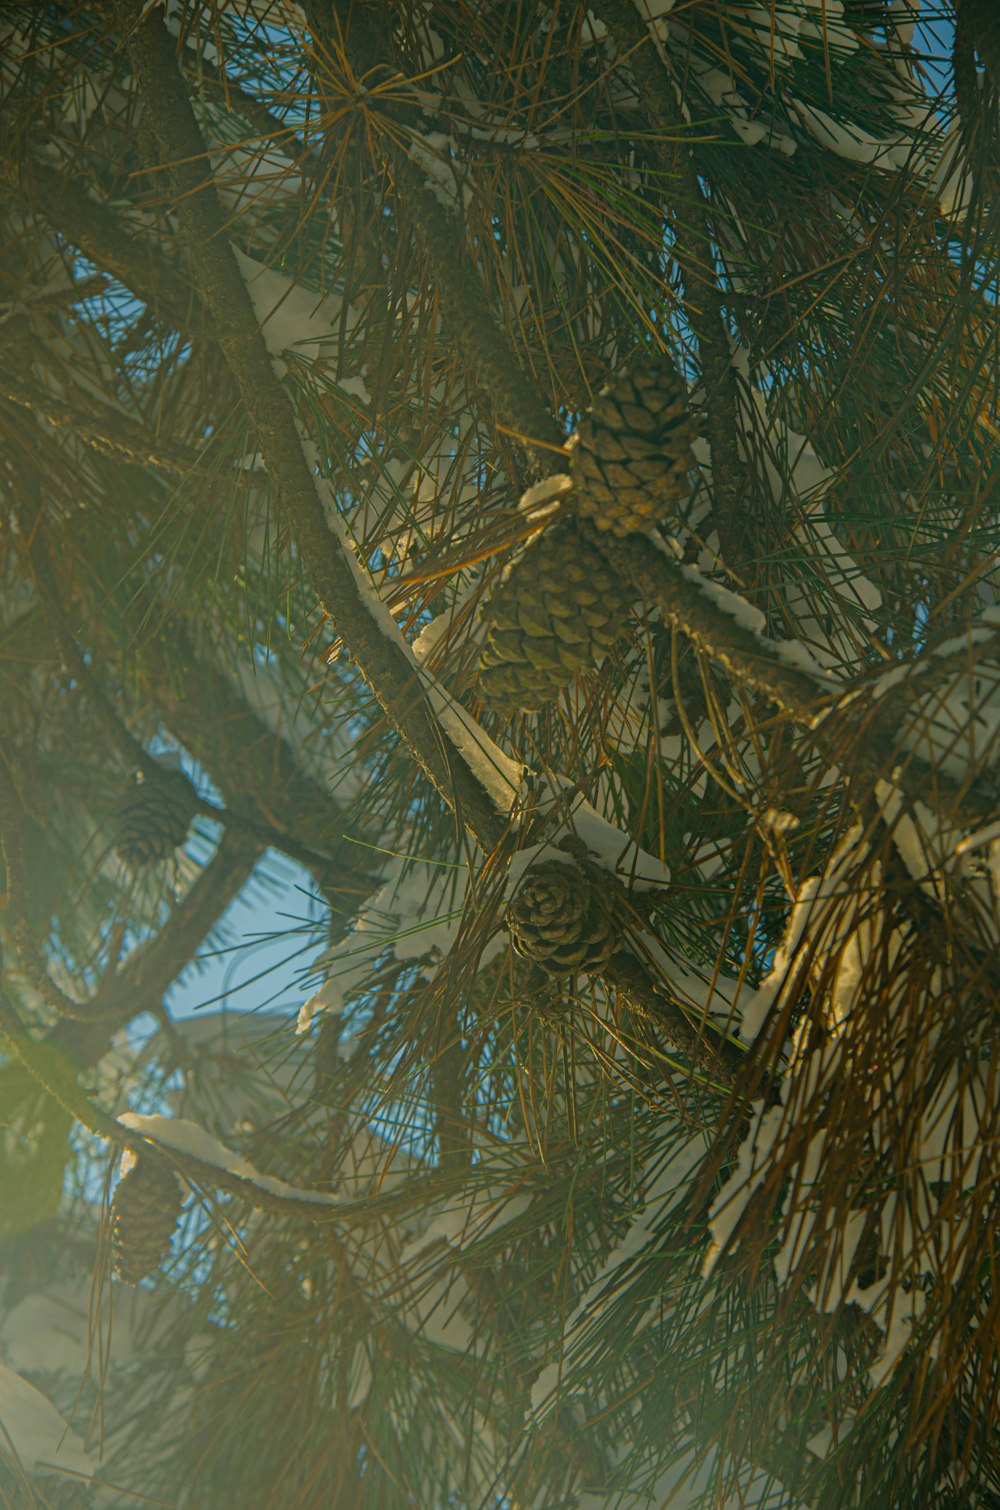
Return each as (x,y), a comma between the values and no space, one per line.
(546,494)
(752,1167)
(352,973)
(438,154)
(50,1330)
(720,89)
(496,772)
(605,845)
(927,843)
(754,1013)
(282,702)
(849,142)
(470,1216)
(710,997)
(654,10)
(795,654)
(744,614)
(39,1435)
(854,952)
(185,1137)
(293,318)
(417,910)
(47,1330)
(437,631)
(666,1186)
(950,183)
(892,678)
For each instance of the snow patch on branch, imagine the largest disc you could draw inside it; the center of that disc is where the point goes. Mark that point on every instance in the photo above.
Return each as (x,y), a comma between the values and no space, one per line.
(873,1010)
(598,841)
(185,1137)
(496,772)
(666,1187)
(295,319)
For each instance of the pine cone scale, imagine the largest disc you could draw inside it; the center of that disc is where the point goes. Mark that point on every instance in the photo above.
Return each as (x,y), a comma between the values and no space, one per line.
(154,820)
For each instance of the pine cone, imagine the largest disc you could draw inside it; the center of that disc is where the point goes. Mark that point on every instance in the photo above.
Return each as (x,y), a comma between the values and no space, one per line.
(559,607)
(154,820)
(559,921)
(632,453)
(144,1214)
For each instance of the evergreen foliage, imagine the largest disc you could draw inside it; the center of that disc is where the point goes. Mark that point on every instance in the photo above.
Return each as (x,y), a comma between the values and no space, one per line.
(532,467)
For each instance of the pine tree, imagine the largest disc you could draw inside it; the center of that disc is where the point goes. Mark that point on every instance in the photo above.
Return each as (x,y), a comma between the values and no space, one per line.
(531,466)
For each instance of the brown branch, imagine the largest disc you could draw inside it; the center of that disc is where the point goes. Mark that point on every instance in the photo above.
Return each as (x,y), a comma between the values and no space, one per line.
(154,965)
(852,731)
(714,1057)
(54,1074)
(274,803)
(255,768)
(100,427)
(386,664)
(100,235)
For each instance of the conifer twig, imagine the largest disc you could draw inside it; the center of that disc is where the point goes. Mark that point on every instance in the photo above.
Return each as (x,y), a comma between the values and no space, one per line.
(387,667)
(839,722)
(96,230)
(53,1072)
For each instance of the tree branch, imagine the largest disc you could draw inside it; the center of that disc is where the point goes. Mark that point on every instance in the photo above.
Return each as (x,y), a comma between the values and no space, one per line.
(384,661)
(53,1072)
(98,233)
(153,966)
(466,308)
(851,729)
(100,427)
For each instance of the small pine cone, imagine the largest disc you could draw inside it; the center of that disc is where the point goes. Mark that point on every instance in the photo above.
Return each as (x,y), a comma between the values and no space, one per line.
(558,609)
(144,1213)
(153,821)
(561,922)
(632,453)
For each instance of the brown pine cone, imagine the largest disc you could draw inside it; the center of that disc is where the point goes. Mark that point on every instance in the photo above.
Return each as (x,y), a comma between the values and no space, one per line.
(561,922)
(144,1213)
(559,607)
(632,453)
(154,820)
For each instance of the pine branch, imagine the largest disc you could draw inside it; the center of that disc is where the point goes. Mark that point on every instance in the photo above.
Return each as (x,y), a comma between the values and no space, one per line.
(98,233)
(385,663)
(256,769)
(53,1073)
(848,733)
(99,427)
(153,966)
(711,1057)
